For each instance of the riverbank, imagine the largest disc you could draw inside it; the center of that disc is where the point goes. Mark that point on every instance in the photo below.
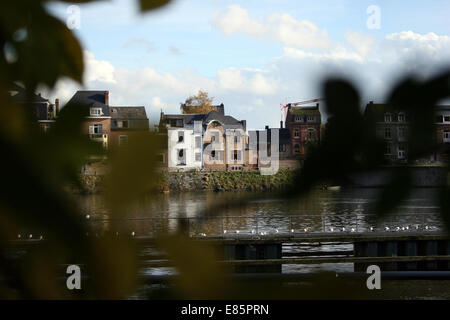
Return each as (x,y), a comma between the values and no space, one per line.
(204,181)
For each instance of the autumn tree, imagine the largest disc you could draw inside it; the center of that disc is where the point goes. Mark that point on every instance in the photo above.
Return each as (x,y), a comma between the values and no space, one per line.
(199,103)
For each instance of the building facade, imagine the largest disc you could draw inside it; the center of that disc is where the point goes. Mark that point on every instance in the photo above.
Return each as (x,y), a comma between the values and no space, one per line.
(125,123)
(212,141)
(97,123)
(43,111)
(392,126)
(443,132)
(304,125)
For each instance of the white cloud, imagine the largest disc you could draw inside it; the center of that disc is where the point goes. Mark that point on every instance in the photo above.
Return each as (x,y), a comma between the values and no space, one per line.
(98,70)
(245,80)
(362,43)
(282,28)
(297,33)
(237,19)
(255,94)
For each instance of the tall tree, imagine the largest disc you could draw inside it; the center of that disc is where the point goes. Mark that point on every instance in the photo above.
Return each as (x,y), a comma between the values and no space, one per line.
(199,103)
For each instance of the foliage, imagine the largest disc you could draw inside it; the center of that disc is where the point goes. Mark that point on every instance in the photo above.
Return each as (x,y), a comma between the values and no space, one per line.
(199,103)
(39,49)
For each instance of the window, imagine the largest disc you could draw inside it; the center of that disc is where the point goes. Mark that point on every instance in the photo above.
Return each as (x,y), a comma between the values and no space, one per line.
(401,132)
(181,157)
(236,139)
(388,149)
(123,139)
(439,118)
(401,151)
(237,155)
(387,117)
(282,148)
(387,133)
(95,129)
(96,112)
(179,122)
(119,124)
(198,142)
(401,117)
(311,134)
(180,136)
(310,118)
(297,118)
(216,155)
(296,133)
(297,148)
(198,156)
(446,118)
(446,136)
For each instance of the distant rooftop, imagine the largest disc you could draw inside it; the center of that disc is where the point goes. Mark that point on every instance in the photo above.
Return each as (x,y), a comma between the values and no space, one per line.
(131,112)
(92,98)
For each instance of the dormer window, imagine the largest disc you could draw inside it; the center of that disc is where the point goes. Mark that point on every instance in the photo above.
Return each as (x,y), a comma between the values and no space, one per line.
(96,112)
(401,117)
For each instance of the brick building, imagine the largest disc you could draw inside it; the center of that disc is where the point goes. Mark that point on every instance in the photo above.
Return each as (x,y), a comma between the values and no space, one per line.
(97,123)
(304,125)
(125,122)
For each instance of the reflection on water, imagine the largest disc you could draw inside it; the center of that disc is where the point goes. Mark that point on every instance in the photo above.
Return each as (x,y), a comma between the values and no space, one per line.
(321,211)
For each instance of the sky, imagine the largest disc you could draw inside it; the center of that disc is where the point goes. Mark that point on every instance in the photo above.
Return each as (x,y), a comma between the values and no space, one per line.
(252,55)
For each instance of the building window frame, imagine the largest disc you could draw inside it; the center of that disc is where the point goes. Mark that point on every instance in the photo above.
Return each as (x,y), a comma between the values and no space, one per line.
(96,112)
(387,117)
(96,128)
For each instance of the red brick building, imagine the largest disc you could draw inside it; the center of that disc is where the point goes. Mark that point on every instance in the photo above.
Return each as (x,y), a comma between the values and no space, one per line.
(304,125)
(98,120)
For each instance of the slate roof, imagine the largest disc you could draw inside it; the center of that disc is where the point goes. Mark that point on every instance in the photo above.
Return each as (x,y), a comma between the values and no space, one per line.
(130,113)
(20,95)
(91,98)
(39,105)
(228,122)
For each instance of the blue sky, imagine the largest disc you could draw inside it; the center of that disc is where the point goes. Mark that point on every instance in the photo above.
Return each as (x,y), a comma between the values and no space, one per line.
(253,55)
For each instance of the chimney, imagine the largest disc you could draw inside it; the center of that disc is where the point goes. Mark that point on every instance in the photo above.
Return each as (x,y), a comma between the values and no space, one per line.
(221,109)
(244,124)
(267,127)
(371,102)
(107,98)
(56,106)
(281,124)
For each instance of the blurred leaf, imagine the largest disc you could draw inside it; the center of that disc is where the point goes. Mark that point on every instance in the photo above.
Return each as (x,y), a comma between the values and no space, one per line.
(152,4)
(201,276)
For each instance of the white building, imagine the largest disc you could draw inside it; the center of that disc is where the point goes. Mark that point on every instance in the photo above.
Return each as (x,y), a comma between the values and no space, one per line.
(185,147)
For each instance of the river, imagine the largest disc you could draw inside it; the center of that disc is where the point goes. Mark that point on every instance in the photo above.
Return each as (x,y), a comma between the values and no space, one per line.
(322,210)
